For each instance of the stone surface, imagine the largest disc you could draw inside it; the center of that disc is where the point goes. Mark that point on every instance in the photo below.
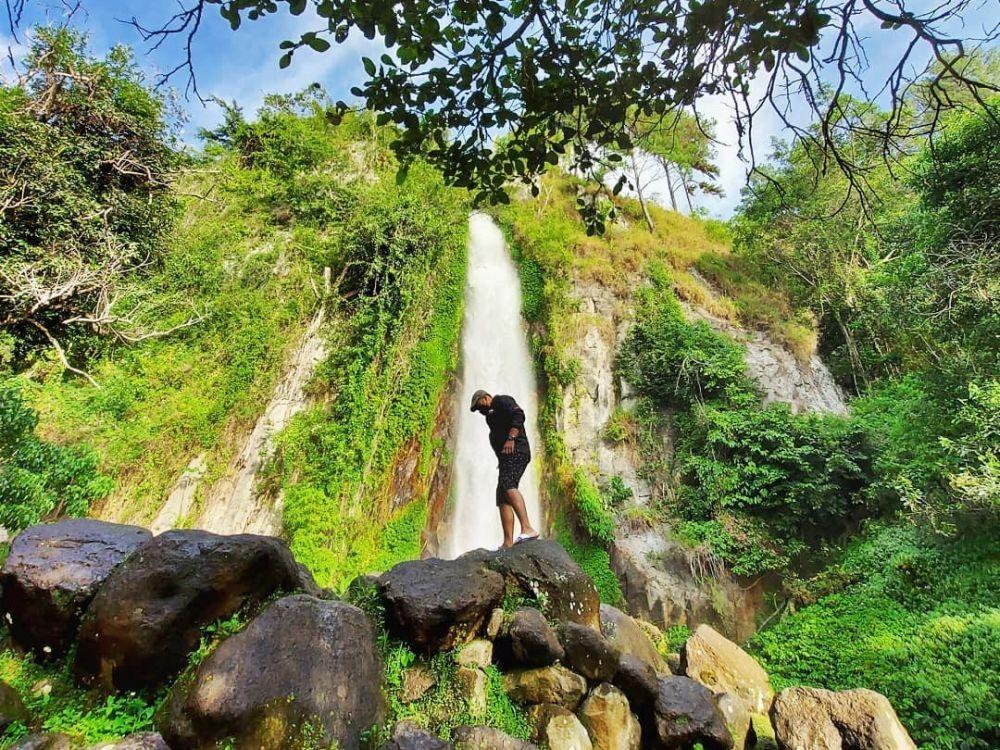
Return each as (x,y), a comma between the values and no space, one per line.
(44,741)
(437,605)
(476,653)
(543,569)
(528,641)
(53,571)
(11,707)
(685,713)
(539,716)
(640,685)
(626,635)
(554,684)
(737,715)
(486,738)
(494,622)
(565,732)
(588,652)
(660,585)
(814,719)
(147,617)
(723,667)
(144,741)
(471,685)
(417,680)
(408,736)
(609,719)
(302,660)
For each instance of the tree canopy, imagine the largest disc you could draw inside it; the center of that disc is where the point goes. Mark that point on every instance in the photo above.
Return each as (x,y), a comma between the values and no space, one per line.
(563,77)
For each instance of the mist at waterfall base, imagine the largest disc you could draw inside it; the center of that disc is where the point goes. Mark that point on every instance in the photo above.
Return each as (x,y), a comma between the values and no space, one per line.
(496,358)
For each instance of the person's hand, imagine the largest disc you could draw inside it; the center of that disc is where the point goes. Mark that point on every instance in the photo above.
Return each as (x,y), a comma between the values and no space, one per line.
(508,447)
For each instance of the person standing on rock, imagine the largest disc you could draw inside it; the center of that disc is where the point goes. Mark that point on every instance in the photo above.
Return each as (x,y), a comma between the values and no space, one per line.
(510,442)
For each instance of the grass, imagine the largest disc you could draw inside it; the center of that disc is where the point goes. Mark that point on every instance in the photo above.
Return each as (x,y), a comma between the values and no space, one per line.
(165,400)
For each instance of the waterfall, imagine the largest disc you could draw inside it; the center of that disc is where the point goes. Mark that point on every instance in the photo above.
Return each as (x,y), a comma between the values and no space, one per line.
(496,358)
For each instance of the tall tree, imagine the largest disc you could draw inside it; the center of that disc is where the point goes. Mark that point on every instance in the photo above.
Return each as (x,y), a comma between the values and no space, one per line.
(683,145)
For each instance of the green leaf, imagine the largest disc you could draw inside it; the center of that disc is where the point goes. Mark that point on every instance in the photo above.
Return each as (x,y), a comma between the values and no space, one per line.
(369,65)
(285,61)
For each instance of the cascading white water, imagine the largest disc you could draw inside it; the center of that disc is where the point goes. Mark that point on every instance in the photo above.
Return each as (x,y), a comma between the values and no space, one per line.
(496,358)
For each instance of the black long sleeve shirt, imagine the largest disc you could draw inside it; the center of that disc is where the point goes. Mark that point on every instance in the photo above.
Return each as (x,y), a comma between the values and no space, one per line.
(504,414)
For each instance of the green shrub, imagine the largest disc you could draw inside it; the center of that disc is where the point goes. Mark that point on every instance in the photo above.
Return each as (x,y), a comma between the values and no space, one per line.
(56,704)
(782,481)
(40,480)
(918,621)
(677,363)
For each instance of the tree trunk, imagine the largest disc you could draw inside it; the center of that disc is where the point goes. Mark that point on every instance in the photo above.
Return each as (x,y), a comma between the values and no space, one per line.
(670,184)
(638,192)
(687,193)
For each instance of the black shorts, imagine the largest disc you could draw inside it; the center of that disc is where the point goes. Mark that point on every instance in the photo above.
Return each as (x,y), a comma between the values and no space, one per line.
(511,470)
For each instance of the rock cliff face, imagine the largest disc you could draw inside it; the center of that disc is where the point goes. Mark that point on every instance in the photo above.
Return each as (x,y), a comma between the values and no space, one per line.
(663,581)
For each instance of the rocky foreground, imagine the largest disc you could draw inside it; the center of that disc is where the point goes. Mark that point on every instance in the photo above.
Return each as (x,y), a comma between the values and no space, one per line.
(306,670)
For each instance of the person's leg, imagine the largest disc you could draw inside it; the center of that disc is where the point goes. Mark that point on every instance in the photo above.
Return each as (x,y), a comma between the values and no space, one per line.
(515,501)
(507,521)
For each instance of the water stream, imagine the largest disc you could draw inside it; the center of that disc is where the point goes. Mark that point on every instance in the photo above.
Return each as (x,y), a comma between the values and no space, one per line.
(496,358)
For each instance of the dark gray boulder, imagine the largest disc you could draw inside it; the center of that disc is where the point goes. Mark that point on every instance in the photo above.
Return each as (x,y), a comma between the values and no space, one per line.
(527,641)
(408,736)
(147,617)
(685,713)
(53,571)
(542,569)
(12,708)
(587,652)
(437,605)
(304,665)
(641,686)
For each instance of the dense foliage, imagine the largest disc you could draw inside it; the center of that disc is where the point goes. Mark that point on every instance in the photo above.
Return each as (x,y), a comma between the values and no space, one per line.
(85,157)
(903,281)
(40,480)
(913,616)
(759,485)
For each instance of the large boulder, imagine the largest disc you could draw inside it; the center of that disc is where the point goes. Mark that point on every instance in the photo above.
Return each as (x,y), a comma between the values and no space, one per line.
(303,665)
(738,718)
(53,571)
(723,667)
(685,713)
(587,652)
(543,569)
(408,736)
(554,684)
(813,719)
(437,605)
(487,738)
(565,732)
(12,708)
(148,615)
(628,637)
(527,641)
(609,719)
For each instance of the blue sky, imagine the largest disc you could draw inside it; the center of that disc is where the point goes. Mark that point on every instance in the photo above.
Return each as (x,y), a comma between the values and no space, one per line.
(243,66)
